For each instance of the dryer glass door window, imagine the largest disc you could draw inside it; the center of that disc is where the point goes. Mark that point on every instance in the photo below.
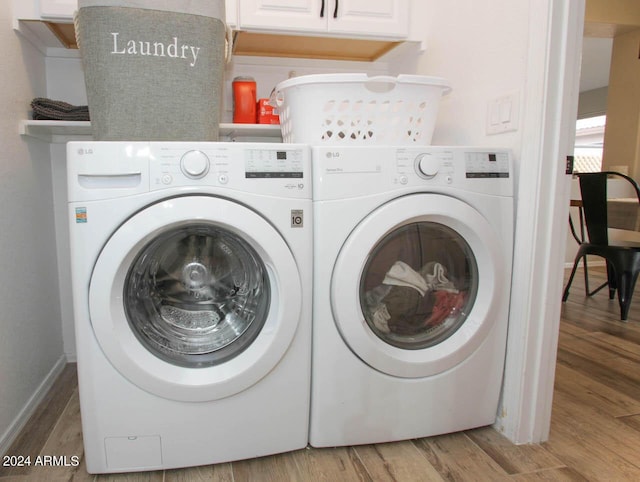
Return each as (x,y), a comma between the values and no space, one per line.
(197,296)
(418,285)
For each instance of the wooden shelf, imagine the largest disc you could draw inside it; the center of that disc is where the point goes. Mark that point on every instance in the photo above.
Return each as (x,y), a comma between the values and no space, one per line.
(310,47)
(65,131)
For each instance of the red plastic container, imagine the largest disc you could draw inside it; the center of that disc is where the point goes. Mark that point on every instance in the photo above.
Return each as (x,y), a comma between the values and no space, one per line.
(244,100)
(267,114)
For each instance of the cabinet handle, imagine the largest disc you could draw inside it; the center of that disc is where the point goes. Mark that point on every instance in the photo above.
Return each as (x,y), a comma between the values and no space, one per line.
(335,10)
(322,10)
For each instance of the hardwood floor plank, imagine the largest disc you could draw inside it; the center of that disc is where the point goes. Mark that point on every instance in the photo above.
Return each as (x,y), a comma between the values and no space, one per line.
(36,431)
(456,457)
(622,347)
(396,462)
(331,464)
(594,322)
(206,473)
(513,459)
(632,421)
(599,427)
(65,441)
(593,443)
(156,476)
(588,459)
(614,375)
(276,468)
(553,475)
(597,308)
(571,329)
(584,347)
(593,393)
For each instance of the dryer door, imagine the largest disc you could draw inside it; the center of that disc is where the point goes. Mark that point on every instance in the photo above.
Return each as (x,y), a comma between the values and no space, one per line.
(187,298)
(416,287)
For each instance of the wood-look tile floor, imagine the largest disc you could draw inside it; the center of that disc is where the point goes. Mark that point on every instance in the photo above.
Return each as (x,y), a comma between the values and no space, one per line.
(595,429)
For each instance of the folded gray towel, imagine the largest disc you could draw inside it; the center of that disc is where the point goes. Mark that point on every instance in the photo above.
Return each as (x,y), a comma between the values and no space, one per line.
(48,109)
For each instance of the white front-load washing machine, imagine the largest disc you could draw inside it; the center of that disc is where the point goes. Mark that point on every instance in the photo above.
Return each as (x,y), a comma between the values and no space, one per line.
(412,273)
(191,270)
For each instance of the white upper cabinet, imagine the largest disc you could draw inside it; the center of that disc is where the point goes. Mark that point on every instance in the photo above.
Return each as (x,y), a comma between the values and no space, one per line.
(58,9)
(64,10)
(383,19)
(299,15)
(388,18)
(360,18)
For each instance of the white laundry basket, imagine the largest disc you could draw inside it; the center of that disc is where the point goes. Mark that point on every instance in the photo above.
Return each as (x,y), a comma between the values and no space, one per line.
(153,68)
(355,109)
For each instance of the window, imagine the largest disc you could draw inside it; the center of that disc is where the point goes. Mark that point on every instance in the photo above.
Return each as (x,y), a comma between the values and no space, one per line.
(589,144)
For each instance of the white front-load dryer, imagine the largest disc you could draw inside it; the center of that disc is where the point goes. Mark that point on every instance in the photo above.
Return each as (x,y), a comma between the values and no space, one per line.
(191,270)
(412,274)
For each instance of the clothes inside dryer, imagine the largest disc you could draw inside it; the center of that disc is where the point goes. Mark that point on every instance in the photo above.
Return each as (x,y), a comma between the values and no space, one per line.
(197,295)
(418,285)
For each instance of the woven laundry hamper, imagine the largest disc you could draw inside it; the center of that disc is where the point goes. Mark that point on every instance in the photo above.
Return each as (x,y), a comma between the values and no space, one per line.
(153,69)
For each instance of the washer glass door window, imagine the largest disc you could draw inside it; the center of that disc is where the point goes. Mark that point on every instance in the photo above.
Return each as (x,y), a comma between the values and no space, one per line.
(195,298)
(197,295)
(418,285)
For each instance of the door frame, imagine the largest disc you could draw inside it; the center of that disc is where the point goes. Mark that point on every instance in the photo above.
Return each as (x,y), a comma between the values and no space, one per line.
(553,70)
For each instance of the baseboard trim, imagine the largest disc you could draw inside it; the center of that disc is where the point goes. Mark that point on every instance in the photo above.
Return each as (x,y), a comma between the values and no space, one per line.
(9,436)
(599,262)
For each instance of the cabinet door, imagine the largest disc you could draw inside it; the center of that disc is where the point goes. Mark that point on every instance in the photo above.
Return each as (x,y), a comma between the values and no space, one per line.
(231,12)
(379,18)
(282,15)
(57,9)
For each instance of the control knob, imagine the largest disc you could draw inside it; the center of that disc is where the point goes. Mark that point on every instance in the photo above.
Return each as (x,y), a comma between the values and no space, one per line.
(195,164)
(427,166)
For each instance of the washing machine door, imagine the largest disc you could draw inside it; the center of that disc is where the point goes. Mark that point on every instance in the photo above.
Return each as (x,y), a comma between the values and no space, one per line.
(187,298)
(416,286)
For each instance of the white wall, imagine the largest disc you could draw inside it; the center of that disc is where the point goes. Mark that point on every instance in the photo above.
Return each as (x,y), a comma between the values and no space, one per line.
(30,324)
(480,47)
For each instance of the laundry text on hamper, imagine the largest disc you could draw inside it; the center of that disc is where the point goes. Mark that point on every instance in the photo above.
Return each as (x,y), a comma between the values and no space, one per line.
(156,49)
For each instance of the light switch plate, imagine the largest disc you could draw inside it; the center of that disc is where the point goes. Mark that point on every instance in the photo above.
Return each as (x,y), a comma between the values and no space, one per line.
(503,113)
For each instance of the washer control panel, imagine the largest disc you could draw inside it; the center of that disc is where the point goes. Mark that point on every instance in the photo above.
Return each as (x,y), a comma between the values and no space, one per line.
(104,170)
(269,163)
(253,167)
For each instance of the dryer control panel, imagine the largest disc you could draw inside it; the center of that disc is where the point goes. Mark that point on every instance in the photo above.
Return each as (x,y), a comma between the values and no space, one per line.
(344,172)
(486,164)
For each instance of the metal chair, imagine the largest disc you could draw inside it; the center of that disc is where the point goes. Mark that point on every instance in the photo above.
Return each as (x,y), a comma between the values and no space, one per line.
(622,258)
